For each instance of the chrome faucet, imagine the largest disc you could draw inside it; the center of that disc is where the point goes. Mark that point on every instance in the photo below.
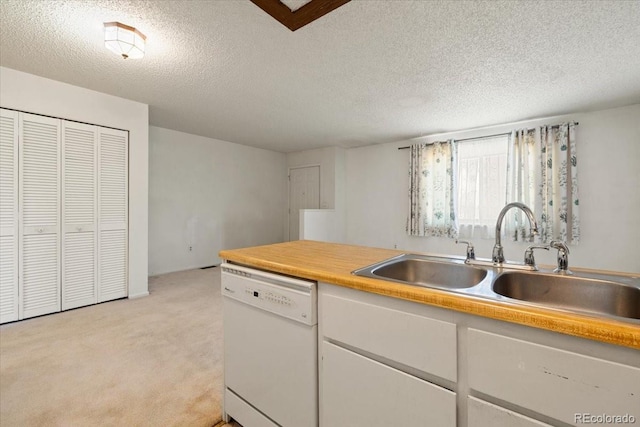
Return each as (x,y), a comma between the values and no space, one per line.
(498,253)
(563,257)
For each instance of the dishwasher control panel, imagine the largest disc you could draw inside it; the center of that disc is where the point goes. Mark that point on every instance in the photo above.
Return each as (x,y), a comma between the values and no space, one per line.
(270,296)
(293,298)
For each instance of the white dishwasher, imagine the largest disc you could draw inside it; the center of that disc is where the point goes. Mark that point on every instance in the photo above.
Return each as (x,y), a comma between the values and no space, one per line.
(270,349)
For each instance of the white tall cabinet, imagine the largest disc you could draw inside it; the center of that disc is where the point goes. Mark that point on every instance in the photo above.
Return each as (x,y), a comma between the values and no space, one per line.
(63,217)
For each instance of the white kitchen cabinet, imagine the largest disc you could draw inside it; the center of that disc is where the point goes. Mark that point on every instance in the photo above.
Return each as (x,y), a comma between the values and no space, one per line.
(550,381)
(483,414)
(383,365)
(358,391)
(64,215)
(377,351)
(420,342)
(9,230)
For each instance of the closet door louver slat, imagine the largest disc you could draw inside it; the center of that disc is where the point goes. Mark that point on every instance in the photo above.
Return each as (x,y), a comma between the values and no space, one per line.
(79,187)
(79,286)
(39,195)
(113,217)
(8,216)
(40,270)
(113,263)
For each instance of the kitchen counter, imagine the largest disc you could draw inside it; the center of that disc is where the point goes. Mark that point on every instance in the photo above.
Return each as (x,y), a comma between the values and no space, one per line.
(333,263)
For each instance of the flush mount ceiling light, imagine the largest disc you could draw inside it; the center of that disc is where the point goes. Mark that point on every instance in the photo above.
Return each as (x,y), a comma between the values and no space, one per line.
(124,40)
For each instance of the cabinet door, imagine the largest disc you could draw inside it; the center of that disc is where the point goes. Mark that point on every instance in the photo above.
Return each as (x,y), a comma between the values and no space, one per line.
(40,212)
(484,414)
(415,341)
(358,391)
(552,382)
(112,214)
(79,216)
(8,216)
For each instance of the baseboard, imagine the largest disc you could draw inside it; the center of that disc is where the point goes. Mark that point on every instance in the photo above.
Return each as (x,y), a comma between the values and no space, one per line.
(140,295)
(195,267)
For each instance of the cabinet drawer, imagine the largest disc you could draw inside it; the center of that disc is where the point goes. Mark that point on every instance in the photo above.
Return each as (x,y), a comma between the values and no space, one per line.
(416,341)
(358,391)
(553,382)
(483,414)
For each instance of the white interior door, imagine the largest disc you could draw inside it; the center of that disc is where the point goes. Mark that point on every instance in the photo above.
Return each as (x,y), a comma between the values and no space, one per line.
(79,216)
(39,194)
(8,216)
(112,213)
(304,193)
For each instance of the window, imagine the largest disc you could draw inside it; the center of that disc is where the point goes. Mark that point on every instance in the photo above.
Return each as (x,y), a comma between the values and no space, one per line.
(458,188)
(481,184)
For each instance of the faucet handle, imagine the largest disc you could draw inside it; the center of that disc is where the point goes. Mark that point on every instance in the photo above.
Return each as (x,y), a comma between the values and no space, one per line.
(563,256)
(528,255)
(559,245)
(471,253)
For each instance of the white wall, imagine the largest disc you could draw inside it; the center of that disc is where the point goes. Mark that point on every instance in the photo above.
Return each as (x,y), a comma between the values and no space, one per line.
(340,193)
(609,181)
(210,195)
(27,92)
(320,224)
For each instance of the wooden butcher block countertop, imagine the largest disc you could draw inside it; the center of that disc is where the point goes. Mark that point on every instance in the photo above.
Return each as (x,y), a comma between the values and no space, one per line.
(333,263)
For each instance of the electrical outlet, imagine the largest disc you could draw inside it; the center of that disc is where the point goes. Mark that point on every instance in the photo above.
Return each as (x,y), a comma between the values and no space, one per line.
(190,248)
(395,246)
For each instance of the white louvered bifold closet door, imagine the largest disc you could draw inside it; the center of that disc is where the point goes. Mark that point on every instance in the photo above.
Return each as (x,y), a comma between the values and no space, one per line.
(79,215)
(8,216)
(39,185)
(112,214)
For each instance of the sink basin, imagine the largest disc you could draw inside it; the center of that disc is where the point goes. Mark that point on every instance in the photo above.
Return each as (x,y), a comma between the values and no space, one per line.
(571,293)
(425,271)
(597,294)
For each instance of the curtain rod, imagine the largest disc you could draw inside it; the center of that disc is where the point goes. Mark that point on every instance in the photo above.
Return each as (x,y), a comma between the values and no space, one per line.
(483,137)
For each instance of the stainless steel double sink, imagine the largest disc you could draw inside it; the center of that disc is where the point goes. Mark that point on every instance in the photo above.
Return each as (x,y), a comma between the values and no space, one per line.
(614,296)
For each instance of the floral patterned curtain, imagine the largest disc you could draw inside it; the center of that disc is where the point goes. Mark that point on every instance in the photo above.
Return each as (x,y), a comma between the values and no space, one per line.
(559,184)
(522,170)
(431,190)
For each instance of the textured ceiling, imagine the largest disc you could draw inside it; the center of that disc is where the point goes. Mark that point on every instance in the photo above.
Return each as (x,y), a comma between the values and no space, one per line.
(368,72)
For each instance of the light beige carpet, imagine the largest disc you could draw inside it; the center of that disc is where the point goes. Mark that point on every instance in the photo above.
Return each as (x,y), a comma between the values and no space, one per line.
(152,361)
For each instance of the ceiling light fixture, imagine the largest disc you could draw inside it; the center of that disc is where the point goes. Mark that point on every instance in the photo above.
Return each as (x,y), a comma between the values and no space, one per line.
(124,40)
